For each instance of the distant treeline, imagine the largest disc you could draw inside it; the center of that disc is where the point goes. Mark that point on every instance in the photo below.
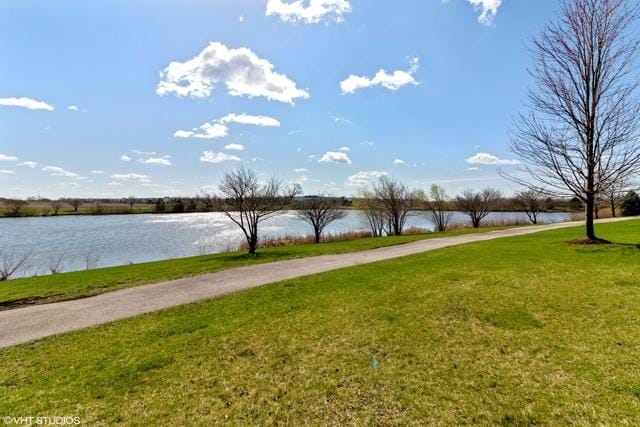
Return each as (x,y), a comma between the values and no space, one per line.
(202,203)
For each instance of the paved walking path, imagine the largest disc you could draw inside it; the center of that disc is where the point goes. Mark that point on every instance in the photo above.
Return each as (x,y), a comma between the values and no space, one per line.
(23,325)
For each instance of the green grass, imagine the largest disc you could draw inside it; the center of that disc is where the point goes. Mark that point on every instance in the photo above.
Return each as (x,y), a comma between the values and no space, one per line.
(519,331)
(59,287)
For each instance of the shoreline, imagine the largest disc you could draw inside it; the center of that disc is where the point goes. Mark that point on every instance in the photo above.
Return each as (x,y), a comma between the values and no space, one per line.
(83,214)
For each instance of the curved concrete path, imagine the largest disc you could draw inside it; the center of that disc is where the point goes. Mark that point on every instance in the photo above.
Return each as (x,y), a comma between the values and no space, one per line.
(23,325)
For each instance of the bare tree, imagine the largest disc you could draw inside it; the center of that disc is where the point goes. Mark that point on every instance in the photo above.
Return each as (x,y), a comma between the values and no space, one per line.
(397,202)
(208,202)
(15,206)
(531,203)
(55,263)
(613,193)
(581,133)
(10,264)
(374,213)
(91,260)
(56,205)
(249,202)
(131,201)
(75,204)
(98,209)
(478,205)
(439,207)
(319,212)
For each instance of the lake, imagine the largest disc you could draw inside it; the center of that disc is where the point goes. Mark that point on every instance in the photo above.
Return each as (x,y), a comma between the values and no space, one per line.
(101,241)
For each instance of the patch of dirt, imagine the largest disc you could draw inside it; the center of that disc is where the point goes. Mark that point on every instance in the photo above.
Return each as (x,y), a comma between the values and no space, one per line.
(23,302)
(588,242)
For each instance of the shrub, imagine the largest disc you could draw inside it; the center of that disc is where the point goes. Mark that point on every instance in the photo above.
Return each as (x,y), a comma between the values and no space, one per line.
(630,205)
(160,206)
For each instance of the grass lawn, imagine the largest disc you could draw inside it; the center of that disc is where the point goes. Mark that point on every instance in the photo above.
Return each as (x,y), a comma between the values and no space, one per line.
(518,331)
(51,288)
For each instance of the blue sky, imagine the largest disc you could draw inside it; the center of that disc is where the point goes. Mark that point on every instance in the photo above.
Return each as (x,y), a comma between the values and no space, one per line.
(270,77)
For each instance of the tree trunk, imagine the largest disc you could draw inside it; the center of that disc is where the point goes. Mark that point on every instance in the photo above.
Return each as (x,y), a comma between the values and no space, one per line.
(253,245)
(613,209)
(590,231)
(317,235)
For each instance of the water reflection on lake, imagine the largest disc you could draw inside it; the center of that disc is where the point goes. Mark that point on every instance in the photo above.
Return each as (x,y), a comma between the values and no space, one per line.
(123,239)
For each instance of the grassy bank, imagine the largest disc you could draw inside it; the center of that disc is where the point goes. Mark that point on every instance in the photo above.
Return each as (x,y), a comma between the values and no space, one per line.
(64,286)
(41,209)
(519,331)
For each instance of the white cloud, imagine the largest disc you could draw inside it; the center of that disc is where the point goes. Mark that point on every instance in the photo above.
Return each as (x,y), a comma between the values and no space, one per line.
(342,120)
(344,149)
(28,103)
(6,158)
(29,164)
(131,177)
(67,185)
(219,129)
(7,172)
(144,153)
(206,131)
(241,19)
(72,108)
(300,170)
(489,159)
(241,70)
(363,178)
(399,162)
(212,157)
(488,8)
(161,161)
(473,169)
(234,147)
(57,171)
(392,81)
(316,10)
(335,157)
(125,158)
(96,172)
(246,119)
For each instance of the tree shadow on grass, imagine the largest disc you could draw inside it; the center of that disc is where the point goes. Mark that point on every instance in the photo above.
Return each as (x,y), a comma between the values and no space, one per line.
(625,248)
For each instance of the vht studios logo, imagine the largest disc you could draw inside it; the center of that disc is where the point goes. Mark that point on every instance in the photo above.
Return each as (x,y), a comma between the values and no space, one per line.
(43,421)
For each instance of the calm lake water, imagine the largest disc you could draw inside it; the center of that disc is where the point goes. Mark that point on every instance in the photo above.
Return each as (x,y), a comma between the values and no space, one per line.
(101,241)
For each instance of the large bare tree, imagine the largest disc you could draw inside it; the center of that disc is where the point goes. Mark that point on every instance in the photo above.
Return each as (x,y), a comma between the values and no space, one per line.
(249,202)
(581,131)
(319,212)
